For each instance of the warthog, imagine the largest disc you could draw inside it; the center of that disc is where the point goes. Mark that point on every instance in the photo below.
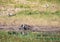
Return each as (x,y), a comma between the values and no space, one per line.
(24,29)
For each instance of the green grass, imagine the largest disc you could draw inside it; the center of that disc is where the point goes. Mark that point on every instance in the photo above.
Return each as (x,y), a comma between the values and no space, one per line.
(30,37)
(39,14)
(21,6)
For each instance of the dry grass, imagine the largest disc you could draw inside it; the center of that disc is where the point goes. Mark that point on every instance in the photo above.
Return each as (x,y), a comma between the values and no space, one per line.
(42,16)
(31,20)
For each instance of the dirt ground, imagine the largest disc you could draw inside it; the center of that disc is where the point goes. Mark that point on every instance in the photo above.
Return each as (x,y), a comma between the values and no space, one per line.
(30,28)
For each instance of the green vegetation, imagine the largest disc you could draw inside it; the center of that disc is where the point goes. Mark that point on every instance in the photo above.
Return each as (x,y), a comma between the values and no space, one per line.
(21,6)
(30,37)
(39,14)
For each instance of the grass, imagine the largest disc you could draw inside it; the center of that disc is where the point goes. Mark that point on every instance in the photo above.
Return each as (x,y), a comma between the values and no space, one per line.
(21,6)
(44,0)
(4,2)
(30,37)
(34,12)
(38,18)
(39,14)
(33,17)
